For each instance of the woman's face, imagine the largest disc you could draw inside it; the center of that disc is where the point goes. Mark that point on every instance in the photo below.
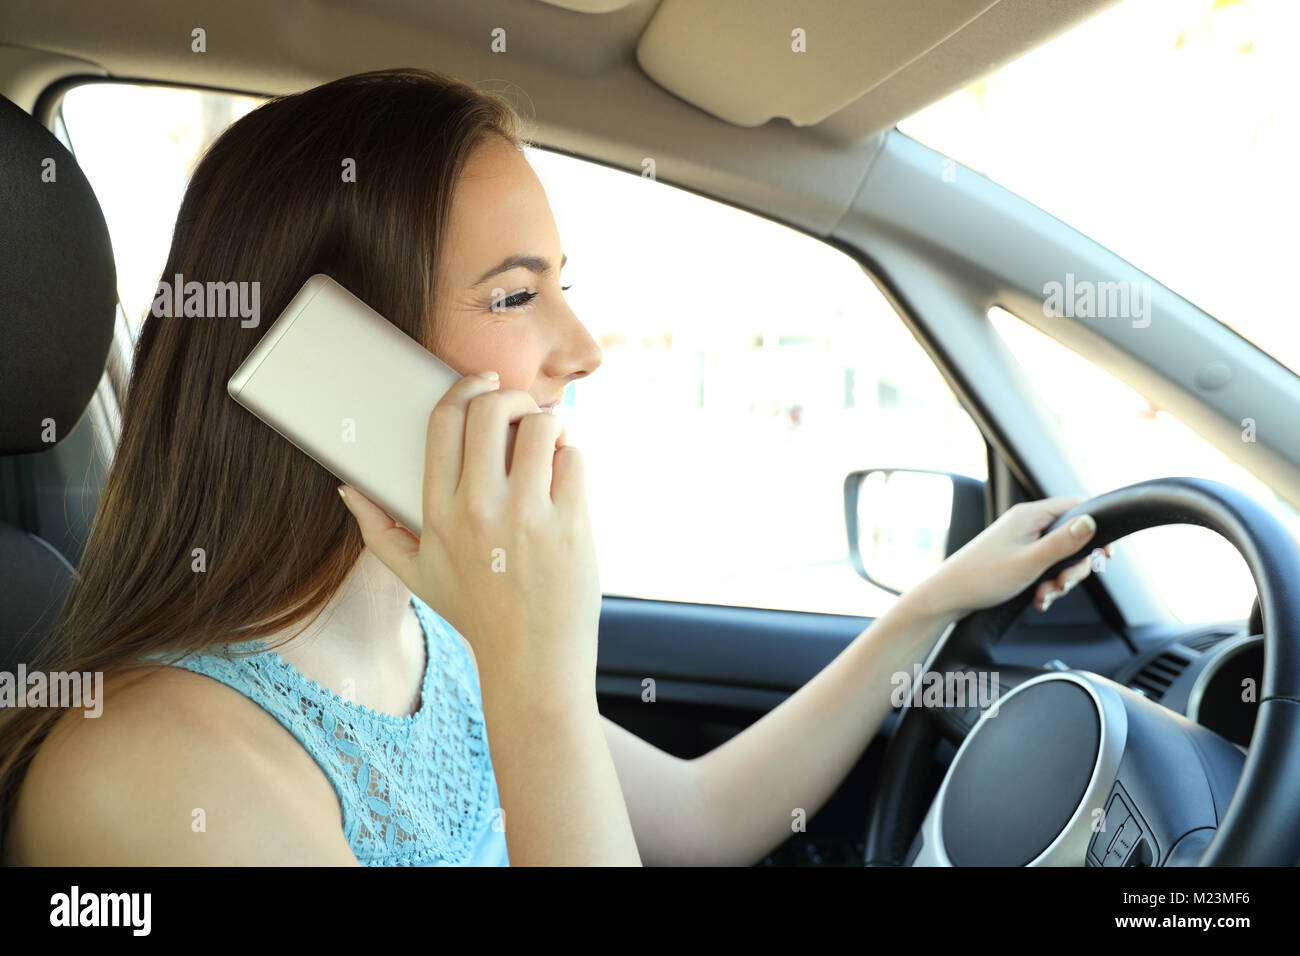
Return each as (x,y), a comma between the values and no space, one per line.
(503,248)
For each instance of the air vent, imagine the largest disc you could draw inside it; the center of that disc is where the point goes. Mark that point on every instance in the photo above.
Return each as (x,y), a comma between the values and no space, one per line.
(1158,674)
(1202,642)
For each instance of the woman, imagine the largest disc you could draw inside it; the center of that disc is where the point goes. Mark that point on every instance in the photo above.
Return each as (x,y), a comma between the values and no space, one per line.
(323,712)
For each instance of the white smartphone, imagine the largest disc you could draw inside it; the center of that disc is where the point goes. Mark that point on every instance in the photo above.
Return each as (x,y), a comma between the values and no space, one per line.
(351,390)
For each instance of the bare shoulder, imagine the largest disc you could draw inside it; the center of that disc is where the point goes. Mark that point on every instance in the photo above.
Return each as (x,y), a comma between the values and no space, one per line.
(473,661)
(178,769)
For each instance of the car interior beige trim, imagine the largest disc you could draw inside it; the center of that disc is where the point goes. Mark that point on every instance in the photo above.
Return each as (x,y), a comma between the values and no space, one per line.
(578,73)
(748,62)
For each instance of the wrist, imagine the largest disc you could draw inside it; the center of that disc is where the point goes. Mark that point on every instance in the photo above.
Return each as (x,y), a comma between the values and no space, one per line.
(934,602)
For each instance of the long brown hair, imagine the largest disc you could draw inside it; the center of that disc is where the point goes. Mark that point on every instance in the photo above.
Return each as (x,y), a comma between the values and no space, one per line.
(268,203)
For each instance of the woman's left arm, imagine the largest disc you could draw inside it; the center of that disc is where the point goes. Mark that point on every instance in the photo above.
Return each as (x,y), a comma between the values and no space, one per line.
(737,802)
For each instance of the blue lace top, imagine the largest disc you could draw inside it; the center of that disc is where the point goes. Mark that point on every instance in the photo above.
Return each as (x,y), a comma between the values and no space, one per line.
(414,791)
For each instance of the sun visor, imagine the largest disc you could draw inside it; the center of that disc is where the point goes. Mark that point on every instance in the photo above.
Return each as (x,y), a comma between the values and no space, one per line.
(591,6)
(748,61)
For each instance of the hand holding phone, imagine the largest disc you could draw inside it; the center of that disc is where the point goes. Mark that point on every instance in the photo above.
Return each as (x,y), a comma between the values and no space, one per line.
(494,532)
(507,559)
(350,389)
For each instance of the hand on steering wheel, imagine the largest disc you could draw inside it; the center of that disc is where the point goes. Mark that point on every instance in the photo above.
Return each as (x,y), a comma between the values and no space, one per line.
(1076,769)
(1012,553)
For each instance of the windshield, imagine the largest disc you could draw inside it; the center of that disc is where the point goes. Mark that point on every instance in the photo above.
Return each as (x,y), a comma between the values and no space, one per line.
(1167,131)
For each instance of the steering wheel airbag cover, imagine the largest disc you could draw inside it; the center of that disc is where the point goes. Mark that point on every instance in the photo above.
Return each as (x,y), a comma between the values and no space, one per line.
(1021,776)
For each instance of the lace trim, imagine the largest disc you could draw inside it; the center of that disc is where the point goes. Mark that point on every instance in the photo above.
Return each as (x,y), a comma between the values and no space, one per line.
(411,789)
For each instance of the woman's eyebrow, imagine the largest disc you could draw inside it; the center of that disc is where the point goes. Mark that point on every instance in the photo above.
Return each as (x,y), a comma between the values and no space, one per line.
(538,265)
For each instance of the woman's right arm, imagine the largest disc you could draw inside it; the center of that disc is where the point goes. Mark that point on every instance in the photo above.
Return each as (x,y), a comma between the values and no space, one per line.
(506,556)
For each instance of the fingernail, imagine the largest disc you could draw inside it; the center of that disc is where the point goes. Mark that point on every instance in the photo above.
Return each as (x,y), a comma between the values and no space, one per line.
(1069,586)
(1083,526)
(1098,560)
(1051,596)
(343,495)
(490,376)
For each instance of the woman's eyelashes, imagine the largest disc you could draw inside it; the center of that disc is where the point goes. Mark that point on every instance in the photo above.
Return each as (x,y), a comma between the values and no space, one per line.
(518,300)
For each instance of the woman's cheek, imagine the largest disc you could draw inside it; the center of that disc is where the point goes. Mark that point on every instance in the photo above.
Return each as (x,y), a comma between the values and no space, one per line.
(512,352)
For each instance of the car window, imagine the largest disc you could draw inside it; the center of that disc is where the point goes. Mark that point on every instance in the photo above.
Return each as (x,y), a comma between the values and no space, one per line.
(1167,131)
(748,367)
(1117,437)
(138,145)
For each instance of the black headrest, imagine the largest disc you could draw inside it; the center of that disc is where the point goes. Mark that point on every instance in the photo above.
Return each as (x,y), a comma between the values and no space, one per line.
(36,579)
(58,285)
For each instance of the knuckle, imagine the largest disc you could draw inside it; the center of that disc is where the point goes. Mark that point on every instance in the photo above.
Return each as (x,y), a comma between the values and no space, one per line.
(570,459)
(484,408)
(460,391)
(486,400)
(540,423)
(526,517)
(443,413)
(528,423)
(505,398)
(478,511)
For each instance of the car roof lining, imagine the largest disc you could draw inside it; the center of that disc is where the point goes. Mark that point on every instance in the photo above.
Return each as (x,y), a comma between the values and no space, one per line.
(794,145)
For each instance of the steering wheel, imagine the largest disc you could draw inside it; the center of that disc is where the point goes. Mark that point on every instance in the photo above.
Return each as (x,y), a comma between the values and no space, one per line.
(1070,768)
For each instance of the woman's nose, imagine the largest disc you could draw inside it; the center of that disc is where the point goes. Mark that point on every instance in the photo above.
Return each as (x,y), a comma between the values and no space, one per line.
(578,354)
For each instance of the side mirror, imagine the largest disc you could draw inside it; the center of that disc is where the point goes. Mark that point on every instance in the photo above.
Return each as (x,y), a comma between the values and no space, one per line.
(904,522)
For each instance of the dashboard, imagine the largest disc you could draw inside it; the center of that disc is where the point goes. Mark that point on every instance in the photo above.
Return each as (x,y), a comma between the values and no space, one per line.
(1212,677)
